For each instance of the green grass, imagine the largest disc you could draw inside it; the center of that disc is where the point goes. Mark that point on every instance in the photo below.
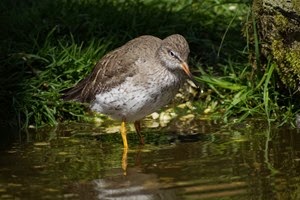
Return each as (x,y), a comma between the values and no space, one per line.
(47,46)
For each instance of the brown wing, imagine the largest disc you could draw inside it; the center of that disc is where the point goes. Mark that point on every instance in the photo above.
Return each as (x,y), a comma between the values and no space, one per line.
(110,71)
(113,69)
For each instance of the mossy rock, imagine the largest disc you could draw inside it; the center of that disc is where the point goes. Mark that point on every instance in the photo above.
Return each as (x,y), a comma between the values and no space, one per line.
(278,25)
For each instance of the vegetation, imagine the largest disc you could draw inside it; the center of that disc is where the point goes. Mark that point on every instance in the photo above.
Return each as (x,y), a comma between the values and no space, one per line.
(48,46)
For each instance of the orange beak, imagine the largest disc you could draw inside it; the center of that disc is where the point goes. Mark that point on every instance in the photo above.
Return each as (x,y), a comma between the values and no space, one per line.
(186,69)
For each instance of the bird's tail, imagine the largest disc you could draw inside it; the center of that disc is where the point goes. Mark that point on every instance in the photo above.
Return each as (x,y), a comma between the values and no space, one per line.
(71,94)
(75,93)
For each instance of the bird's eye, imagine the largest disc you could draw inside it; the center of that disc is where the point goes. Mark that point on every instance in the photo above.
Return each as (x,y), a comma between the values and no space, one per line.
(172,54)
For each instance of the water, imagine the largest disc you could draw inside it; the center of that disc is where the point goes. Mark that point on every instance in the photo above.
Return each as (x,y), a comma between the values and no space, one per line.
(78,162)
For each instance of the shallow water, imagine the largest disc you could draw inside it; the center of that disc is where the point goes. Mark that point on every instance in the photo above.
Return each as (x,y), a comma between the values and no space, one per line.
(79,162)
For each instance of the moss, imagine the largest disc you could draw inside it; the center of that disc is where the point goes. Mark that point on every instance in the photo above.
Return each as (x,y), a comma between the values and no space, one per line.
(293,58)
(256,6)
(278,50)
(288,60)
(281,22)
(296,6)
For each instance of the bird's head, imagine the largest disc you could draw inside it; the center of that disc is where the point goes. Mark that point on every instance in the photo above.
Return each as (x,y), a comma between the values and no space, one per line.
(173,53)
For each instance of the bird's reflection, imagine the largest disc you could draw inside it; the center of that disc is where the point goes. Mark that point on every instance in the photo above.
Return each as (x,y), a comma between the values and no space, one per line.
(126,183)
(125,160)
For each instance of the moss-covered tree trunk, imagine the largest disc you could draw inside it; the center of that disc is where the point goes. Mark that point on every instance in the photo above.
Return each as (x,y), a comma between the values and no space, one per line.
(278,28)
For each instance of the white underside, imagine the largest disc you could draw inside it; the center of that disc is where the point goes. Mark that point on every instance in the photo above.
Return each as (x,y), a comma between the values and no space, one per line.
(133,102)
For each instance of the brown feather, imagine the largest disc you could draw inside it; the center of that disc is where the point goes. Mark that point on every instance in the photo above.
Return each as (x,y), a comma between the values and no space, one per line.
(120,62)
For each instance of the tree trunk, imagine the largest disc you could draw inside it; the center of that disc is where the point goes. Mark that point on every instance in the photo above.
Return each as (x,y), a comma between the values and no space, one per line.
(278,30)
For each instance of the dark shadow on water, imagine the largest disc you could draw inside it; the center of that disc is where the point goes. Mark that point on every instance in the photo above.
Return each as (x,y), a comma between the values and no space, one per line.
(8,135)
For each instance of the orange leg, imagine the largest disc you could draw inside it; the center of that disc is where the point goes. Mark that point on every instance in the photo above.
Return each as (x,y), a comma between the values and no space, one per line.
(123,133)
(137,125)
